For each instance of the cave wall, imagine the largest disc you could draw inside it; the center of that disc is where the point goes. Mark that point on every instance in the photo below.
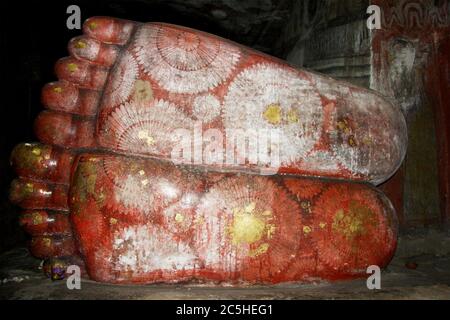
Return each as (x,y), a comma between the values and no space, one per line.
(329,36)
(404,59)
(407,61)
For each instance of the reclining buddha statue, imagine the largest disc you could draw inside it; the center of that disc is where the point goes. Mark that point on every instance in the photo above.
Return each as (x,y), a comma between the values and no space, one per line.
(171,155)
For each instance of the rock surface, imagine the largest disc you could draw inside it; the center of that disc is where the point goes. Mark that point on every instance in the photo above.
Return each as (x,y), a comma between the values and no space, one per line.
(430,280)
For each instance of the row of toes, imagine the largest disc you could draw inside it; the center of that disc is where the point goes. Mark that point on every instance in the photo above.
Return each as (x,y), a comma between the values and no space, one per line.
(68,123)
(42,190)
(73,101)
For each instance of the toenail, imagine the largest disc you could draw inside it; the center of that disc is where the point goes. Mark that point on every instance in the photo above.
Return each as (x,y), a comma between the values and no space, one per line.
(93,25)
(80,45)
(72,67)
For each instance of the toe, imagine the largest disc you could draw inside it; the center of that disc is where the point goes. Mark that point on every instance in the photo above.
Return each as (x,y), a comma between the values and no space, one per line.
(45,247)
(67,97)
(42,162)
(31,194)
(45,222)
(65,130)
(88,49)
(82,73)
(109,30)
(56,268)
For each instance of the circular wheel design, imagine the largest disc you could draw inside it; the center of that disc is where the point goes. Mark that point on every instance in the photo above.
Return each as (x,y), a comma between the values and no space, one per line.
(206,107)
(183,61)
(304,188)
(269,97)
(184,50)
(352,230)
(247,226)
(139,250)
(145,128)
(148,187)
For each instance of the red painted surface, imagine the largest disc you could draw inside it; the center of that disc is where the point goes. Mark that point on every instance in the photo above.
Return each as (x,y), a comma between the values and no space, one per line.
(42,222)
(138,219)
(45,247)
(425,23)
(167,77)
(29,193)
(177,224)
(78,101)
(38,161)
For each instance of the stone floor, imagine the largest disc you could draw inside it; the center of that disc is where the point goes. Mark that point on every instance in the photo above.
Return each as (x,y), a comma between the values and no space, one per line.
(21,278)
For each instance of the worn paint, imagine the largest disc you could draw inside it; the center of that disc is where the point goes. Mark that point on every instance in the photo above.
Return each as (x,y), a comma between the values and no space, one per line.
(146,221)
(410,65)
(242,228)
(179,58)
(167,77)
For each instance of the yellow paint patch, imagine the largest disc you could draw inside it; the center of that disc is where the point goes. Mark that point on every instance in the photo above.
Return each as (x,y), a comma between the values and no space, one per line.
(353,223)
(273,114)
(322,225)
(150,141)
(292,116)
(307,229)
(250,226)
(340,125)
(306,206)
(246,228)
(47,242)
(250,207)
(85,184)
(343,126)
(36,151)
(142,91)
(57,89)
(37,218)
(72,67)
(143,135)
(80,45)
(112,221)
(29,187)
(351,141)
(199,220)
(179,218)
(270,231)
(267,213)
(93,25)
(260,250)
(367,140)
(101,197)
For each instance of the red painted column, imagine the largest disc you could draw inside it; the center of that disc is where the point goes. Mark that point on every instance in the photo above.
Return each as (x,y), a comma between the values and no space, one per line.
(423,22)
(438,91)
